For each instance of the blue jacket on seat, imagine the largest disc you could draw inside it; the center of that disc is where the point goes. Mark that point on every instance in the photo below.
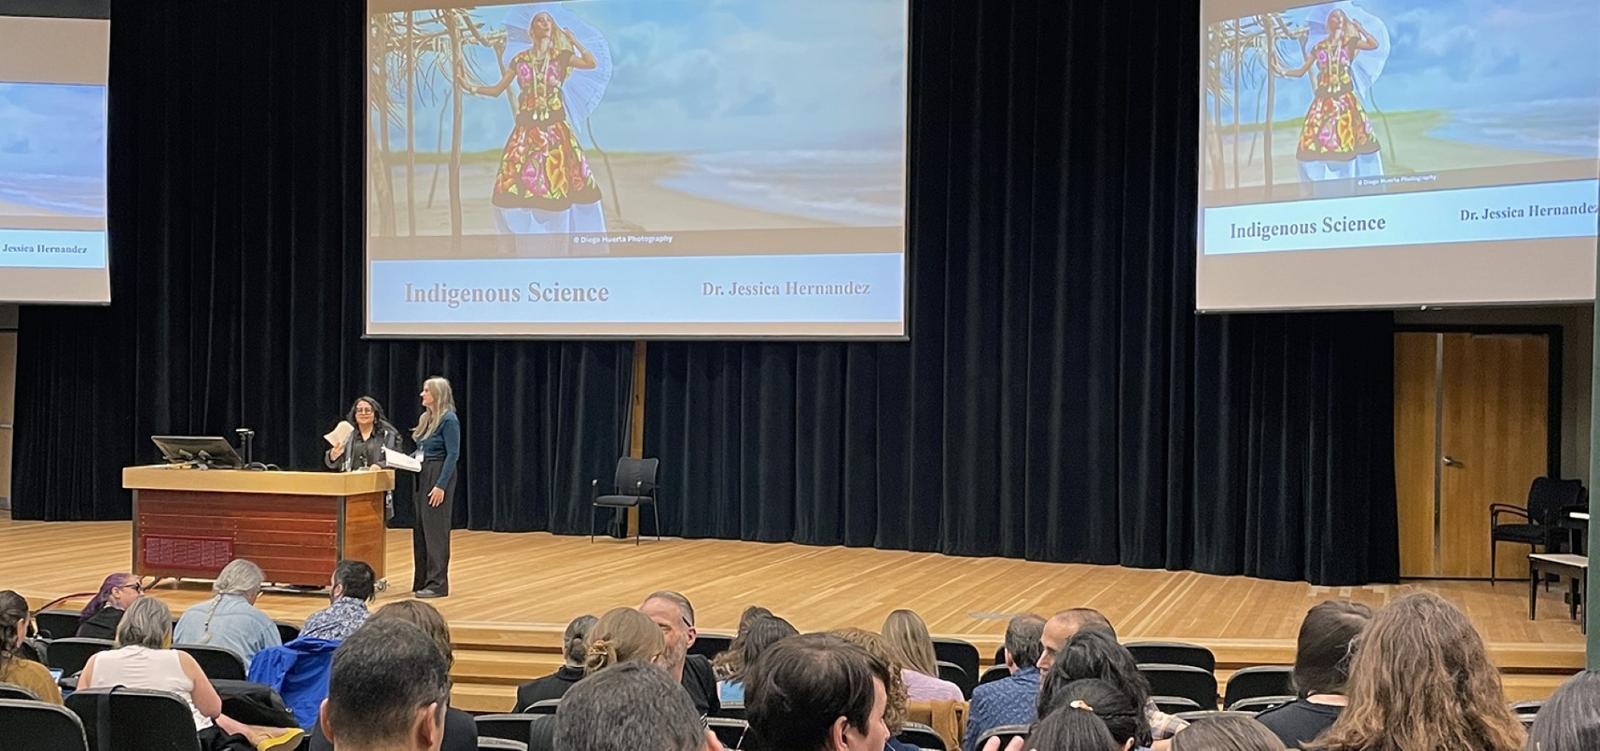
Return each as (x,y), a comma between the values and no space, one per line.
(298,671)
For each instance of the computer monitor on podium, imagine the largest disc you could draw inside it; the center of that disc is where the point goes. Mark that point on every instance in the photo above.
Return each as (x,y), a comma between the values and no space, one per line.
(203,451)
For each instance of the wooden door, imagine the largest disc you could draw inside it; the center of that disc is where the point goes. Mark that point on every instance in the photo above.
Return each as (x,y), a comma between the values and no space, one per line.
(1471,429)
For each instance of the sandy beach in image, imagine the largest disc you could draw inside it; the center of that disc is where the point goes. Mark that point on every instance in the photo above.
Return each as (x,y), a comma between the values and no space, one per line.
(632,195)
(12,208)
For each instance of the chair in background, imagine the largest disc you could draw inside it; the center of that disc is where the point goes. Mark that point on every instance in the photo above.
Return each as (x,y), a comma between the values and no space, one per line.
(542,706)
(709,645)
(994,673)
(1173,653)
(1540,527)
(952,672)
(501,743)
(69,655)
(1176,704)
(144,720)
(1262,680)
(1005,733)
(56,623)
(732,710)
(1209,713)
(511,726)
(13,691)
(216,662)
(36,724)
(922,736)
(634,487)
(1186,681)
(960,652)
(1259,704)
(287,632)
(730,732)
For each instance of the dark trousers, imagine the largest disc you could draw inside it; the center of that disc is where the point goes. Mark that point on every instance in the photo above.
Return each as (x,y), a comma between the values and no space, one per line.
(430,532)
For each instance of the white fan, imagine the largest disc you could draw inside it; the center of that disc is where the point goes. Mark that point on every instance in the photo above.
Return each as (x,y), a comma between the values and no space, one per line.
(583,89)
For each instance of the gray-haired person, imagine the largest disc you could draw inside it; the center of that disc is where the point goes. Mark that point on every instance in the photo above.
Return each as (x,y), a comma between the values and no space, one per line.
(633,706)
(230,619)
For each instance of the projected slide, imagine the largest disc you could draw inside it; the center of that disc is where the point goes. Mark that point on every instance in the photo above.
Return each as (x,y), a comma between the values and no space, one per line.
(53,160)
(1395,152)
(631,168)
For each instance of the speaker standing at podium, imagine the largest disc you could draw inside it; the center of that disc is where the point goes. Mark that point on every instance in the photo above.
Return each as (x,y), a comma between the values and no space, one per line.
(438,436)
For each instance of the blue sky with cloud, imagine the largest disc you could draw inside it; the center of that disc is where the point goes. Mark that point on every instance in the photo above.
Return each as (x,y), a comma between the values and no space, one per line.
(52,129)
(1447,54)
(697,75)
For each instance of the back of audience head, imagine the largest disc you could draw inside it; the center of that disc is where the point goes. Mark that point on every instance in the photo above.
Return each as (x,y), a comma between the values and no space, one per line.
(389,688)
(575,640)
(908,636)
(354,579)
(425,617)
(117,590)
(1073,728)
(1570,719)
(895,713)
(1022,641)
(1326,645)
(1226,734)
(1122,716)
(13,625)
(239,577)
(1063,625)
(727,664)
(147,623)
(759,636)
(817,692)
(623,635)
(631,707)
(1421,679)
(1094,654)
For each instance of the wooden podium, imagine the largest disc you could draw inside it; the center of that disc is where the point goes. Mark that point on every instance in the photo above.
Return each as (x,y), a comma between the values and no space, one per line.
(294,525)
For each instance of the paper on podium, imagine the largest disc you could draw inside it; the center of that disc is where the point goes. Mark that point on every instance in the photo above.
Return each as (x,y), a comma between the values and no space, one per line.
(340,433)
(397,460)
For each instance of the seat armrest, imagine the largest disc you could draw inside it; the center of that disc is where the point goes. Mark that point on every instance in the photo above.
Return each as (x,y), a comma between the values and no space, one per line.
(1496,509)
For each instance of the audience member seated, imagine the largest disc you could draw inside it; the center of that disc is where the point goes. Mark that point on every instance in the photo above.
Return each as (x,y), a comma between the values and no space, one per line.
(817,693)
(896,713)
(1570,720)
(100,617)
(754,639)
(1065,625)
(623,635)
(1062,626)
(1115,708)
(1227,734)
(574,646)
(144,659)
(460,731)
(632,707)
(1095,654)
(1321,669)
(674,615)
(14,668)
(353,586)
(230,619)
(1072,728)
(1011,700)
(1421,679)
(389,690)
(908,636)
(721,665)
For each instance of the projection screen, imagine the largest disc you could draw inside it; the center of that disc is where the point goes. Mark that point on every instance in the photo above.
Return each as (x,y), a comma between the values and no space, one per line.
(636,168)
(53,66)
(1391,153)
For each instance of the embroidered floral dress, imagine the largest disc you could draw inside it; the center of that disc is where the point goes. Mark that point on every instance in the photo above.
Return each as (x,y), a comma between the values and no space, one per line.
(543,166)
(1336,127)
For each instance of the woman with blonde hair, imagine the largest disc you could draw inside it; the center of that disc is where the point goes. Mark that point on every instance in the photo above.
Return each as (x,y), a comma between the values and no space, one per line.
(623,635)
(438,437)
(1421,680)
(908,637)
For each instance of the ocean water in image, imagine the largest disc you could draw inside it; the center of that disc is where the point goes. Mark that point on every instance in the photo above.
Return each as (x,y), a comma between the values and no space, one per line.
(56,194)
(859,187)
(1569,127)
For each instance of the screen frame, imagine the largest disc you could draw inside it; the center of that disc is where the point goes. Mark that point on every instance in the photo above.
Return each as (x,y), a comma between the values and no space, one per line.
(366,263)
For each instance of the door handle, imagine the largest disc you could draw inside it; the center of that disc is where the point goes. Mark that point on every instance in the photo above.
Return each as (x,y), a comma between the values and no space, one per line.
(1450,461)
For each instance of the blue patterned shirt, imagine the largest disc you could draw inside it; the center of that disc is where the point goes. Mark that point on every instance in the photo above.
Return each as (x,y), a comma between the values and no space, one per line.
(1012,700)
(336,621)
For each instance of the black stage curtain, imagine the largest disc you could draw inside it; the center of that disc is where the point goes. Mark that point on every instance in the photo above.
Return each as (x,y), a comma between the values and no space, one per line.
(1058,399)
(236,190)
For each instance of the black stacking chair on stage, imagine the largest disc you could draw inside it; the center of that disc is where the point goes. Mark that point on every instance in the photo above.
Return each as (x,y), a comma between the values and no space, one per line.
(1540,528)
(635,486)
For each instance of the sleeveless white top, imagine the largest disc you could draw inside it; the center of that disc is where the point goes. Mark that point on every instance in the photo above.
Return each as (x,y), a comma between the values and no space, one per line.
(135,666)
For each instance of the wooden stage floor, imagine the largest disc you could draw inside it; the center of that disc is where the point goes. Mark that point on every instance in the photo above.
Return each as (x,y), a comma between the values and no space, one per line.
(513,593)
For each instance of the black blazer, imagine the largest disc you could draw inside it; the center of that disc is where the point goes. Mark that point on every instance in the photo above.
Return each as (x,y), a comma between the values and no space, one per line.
(552,686)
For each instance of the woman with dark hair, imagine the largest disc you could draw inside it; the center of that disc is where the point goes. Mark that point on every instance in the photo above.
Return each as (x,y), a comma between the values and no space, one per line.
(574,649)
(1570,720)
(1421,680)
(364,446)
(1072,728)
(722,664)
(1119,711)
(100,617)
(1321,669)
(1226,734)
(1096,654)
(14,668)
(761,633)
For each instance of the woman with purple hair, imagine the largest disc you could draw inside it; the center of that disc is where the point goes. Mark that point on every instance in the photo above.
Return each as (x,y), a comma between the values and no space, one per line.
(100,617)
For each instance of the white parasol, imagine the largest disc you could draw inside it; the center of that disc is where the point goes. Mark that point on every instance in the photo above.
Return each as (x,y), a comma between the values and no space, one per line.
(1369,64)
(583,89)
